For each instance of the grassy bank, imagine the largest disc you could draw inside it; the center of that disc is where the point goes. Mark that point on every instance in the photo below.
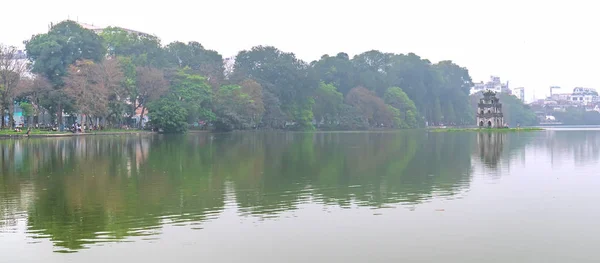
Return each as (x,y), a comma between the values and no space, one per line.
(530,129)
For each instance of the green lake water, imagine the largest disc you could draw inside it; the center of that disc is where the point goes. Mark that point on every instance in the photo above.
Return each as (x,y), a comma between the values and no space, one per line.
(406,196)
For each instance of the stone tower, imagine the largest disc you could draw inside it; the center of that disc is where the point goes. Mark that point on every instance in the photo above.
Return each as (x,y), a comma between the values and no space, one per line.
(489,111)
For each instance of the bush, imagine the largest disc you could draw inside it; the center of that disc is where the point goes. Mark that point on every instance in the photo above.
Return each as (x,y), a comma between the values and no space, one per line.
(168,115)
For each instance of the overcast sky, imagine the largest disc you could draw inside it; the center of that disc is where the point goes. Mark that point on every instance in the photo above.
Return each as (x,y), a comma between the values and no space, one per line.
(534,44)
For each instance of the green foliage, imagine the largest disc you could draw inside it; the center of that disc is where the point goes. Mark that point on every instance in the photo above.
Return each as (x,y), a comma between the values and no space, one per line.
(351,118)
(405,109)
(194,93)
(302,113)
(281,74)
(578,116)
(27,109)
(65,43)
(207,63)
(279,88)
(328,104)
(515,112)
(143,50)
(232,109)
(337,71)
(168,114)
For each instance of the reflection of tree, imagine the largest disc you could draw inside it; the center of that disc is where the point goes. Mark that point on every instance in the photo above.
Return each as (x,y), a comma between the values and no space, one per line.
(94,189)
(90,190)
(275,172)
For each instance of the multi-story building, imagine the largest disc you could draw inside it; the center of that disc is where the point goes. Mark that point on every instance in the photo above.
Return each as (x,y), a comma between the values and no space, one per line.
(584,96)
(520,93)
(494,84)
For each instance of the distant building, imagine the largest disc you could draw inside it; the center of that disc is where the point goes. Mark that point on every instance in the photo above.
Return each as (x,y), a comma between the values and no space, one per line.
(228,64)
(520,93)
(489,111)
(100,29)
(584,96)
(494,84)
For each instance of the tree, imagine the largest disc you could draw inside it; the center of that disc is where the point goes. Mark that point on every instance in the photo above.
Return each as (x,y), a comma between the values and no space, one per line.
(194,93)
(52,53)
(12,69)
(27,110)
(90,84)
(455,87)
(232,108)
(151,84)
(338,71)
(372,108)
(193,55)
(142,49)
(274,117)
(407,111)
(281,74)
(122,99)
(372,68)
(257,106)
(168,115)
(328,104)
(36,90)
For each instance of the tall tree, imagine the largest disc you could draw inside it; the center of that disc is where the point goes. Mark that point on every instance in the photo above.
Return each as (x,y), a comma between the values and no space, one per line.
(328,103)
(396,98)
(232,108)
(208,63)
(195,94)
(372,108)
(283,75)
(257,105)
(338,71)
(372,68)
(35,89)
(52,53)
(143,49)
(151,84)
(12,70)
(90,84)
(455,86)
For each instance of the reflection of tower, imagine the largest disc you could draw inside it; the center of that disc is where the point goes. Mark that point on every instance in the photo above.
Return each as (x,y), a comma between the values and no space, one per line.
(490,146)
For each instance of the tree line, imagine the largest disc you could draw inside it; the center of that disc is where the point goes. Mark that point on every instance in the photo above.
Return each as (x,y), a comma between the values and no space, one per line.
(114,75)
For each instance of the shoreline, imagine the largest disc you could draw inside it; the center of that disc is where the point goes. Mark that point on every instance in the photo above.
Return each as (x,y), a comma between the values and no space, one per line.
(57,135)
(527,129)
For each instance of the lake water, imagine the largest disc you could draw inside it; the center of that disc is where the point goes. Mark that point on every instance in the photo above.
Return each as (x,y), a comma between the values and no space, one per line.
(299,197)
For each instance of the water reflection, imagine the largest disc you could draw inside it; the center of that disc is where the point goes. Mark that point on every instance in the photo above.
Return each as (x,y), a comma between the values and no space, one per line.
(85,190)
(490,146)
(582,146)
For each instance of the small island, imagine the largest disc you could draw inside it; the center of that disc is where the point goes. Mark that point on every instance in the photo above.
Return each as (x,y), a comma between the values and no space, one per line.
(489,117)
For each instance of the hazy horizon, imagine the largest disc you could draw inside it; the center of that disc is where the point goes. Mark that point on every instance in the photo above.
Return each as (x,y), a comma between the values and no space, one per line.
(528,44)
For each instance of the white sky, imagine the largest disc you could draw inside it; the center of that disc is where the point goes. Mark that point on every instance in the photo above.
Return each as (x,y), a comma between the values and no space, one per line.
(534,44)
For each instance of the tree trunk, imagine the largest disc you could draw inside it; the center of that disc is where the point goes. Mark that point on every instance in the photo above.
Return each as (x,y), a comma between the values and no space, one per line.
(60,117)
(3,113)
(142,117)
(83,123)
(11,113)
